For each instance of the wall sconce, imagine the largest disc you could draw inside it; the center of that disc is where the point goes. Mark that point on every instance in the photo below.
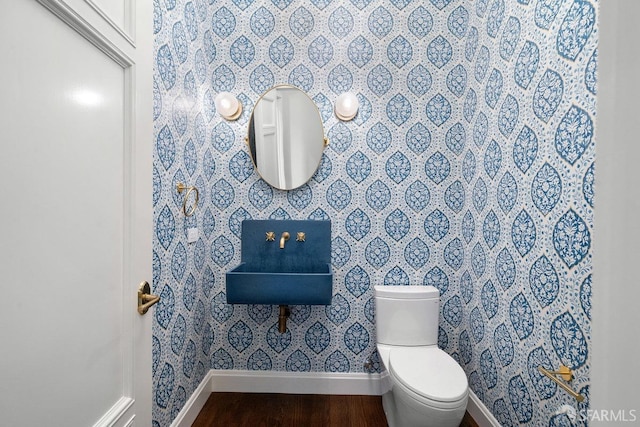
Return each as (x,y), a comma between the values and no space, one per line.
(228,106)
(346,106)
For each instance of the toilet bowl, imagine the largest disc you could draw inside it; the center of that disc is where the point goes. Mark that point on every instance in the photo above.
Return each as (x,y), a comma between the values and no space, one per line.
(425,386)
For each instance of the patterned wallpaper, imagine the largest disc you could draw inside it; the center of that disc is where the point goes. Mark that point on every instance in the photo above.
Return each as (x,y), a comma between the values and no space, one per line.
(468,167)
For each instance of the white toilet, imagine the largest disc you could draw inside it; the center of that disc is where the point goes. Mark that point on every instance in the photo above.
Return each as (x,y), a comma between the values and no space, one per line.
(426,386)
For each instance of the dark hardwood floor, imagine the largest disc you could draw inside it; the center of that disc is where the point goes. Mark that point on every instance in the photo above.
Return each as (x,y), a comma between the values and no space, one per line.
(308,410)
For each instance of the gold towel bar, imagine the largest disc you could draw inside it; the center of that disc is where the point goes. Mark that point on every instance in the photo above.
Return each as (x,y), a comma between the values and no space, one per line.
(181,187)
(566,375)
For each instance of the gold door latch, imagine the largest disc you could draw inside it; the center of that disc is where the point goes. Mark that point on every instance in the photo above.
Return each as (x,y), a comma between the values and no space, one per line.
(145,298)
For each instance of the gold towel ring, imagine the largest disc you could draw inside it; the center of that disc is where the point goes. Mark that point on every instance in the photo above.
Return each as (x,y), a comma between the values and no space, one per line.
(181,187)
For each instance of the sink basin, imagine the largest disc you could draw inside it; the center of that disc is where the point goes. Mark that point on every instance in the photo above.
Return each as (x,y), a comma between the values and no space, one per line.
(298,274)
(250,286)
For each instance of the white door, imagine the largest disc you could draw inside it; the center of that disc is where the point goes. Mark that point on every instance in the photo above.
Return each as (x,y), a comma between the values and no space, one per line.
(266,126)
(76,215)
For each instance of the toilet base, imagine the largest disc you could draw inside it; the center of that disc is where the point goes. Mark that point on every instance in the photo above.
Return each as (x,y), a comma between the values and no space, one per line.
(403,411)
(389,408)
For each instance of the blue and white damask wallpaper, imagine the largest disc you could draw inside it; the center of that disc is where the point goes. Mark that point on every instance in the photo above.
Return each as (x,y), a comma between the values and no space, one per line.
(469,166)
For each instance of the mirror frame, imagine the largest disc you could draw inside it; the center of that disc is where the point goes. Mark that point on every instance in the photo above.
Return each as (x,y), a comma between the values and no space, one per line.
(251,148)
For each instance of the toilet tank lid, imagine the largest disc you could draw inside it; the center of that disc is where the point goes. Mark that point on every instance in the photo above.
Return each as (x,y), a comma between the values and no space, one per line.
(406,292)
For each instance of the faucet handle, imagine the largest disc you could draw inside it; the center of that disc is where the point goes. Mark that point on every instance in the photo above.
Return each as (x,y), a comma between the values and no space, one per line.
(300,237)
(271,236)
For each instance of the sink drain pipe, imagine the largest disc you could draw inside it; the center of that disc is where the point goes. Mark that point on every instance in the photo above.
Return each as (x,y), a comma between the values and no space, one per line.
(282,318)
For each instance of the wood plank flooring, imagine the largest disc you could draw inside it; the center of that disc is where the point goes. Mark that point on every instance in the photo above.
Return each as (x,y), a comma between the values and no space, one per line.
(284,410)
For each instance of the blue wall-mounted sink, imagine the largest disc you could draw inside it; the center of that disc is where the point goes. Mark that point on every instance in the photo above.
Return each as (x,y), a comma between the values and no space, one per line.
(298,274)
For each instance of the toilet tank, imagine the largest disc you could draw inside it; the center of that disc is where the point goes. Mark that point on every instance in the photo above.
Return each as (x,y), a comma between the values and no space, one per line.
(407,315)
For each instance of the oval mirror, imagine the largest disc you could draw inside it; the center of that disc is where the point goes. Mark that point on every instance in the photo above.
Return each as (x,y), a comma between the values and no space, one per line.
(286,137)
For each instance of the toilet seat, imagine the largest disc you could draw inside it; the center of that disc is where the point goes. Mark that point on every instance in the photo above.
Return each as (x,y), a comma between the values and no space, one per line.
(429,375)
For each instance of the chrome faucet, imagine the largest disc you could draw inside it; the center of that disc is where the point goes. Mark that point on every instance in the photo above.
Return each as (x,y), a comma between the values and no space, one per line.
(284,238)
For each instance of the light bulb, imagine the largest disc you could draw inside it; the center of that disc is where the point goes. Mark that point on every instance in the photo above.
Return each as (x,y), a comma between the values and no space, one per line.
(227,105)
(346,106)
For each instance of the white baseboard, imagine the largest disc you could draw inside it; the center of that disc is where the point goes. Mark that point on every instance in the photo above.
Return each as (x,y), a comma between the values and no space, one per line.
(480,413)
(302,383)
(193,406)
(296,382)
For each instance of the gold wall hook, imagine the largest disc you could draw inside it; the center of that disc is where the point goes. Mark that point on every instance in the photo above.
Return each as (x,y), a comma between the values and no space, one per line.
(567,375)
(300,236)
(181,187)
(270,236)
